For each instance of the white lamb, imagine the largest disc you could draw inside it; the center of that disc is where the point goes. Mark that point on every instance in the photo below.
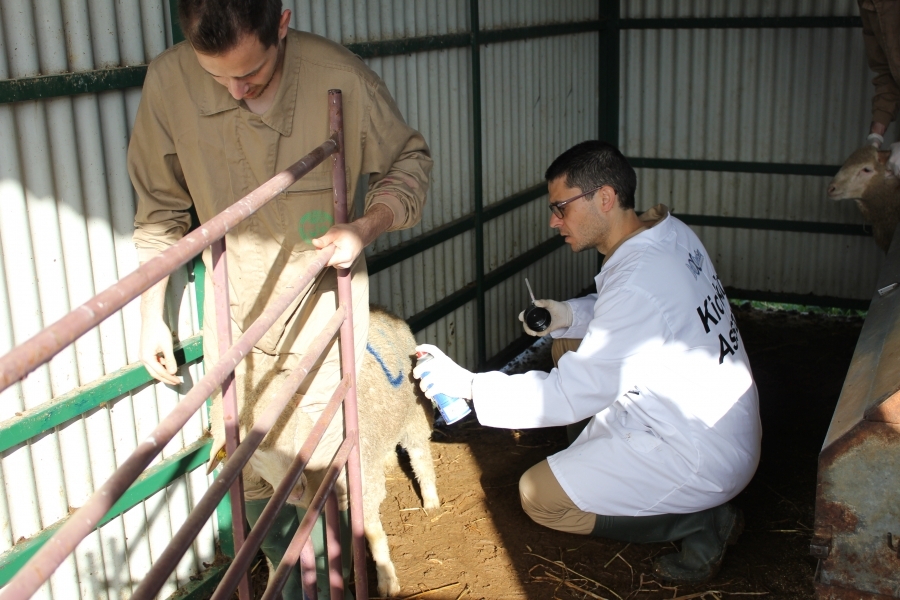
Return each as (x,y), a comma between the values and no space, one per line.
(865,179)
(392,412)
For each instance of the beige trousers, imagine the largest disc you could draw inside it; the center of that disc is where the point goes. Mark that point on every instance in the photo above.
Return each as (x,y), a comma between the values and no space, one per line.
(543,499)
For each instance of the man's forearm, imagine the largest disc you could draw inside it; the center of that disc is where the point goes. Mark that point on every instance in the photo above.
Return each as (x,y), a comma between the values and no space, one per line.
(153,301)
(378,219)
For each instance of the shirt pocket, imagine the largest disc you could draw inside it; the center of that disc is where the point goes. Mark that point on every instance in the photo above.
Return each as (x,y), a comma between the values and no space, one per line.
(304,215)
(637,435)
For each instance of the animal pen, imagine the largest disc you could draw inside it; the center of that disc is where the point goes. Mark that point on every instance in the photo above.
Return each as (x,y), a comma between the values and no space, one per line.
(733,114)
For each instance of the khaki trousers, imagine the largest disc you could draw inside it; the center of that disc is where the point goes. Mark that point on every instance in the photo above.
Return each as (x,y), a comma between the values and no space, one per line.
(543,499)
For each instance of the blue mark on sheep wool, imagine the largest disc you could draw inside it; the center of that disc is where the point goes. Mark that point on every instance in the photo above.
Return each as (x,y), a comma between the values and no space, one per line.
(394,381)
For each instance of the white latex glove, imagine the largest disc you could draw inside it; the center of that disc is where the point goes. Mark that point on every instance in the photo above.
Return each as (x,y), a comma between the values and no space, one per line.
(440,375)
(156,351)
(560,317)
(875,139)
(893,163)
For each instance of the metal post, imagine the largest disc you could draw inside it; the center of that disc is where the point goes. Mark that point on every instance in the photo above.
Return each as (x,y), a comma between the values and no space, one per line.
(229,400)
(348,358)
(478,196)
(333,544)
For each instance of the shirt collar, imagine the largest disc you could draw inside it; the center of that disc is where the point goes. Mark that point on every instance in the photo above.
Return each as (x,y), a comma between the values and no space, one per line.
(214,98)
(649,219)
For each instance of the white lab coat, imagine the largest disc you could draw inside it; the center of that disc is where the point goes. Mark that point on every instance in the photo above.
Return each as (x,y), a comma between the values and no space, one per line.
(664,374)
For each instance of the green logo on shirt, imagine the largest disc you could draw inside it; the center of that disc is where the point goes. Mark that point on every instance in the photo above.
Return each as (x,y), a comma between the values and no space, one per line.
(314,223)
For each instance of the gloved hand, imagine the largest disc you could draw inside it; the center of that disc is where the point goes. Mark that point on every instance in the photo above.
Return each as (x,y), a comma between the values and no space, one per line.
(441,375)
(875,139)
(893,163)
(560,317)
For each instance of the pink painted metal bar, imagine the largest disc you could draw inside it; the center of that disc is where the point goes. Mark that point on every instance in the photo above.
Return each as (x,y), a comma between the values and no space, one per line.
(43,346)
(229,402)
(291,555)
(46,560)
(239,457)
(333,545)
(245,556)
(348,359)
(308,576)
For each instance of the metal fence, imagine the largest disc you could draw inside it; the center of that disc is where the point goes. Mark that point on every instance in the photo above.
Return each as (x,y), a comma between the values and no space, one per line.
(26,357)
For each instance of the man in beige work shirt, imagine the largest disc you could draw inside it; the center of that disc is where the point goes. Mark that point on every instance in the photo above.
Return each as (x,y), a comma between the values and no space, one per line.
(220,115)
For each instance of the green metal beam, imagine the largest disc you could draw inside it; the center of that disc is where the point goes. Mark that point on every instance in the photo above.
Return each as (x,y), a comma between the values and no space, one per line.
(774,224)
(399,253)
(442,308)
(410,45)
(70,84)
(513,34)
(741,23)
(153,480)
(733,166)
(118,78)
(736,295)
(57,411)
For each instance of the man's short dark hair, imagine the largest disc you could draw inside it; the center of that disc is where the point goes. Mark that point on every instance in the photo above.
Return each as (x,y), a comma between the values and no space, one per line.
(216,26)
(593,164)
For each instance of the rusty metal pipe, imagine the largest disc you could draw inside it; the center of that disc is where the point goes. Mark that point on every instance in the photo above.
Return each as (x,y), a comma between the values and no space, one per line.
(182,540)
(333,546)
(46,560)
(348,358)
(229,404)
(309,520)
(29,355)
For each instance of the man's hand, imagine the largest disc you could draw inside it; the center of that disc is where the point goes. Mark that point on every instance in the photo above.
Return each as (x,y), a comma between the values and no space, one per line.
(349,239)
(441,375)
(156,351)
(560,317)
(156,339)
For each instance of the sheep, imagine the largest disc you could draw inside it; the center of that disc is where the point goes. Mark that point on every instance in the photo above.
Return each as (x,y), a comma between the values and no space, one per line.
(864,178)
(392,412)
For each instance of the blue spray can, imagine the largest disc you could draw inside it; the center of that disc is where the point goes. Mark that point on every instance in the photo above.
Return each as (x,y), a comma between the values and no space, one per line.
(451,409)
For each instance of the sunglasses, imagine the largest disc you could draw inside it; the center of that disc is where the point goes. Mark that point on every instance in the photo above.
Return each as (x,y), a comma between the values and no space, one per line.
(557,207)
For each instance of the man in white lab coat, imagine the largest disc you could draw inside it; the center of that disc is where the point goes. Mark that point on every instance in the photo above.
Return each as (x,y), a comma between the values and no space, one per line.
(661,373)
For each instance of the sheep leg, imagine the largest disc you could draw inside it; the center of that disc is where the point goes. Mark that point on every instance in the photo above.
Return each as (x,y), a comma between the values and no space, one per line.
(415,440)
(374,494)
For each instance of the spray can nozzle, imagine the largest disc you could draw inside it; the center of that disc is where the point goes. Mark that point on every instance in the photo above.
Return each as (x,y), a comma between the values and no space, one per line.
(537,318)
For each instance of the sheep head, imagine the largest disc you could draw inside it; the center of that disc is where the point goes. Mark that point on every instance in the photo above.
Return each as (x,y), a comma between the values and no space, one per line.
(862,169)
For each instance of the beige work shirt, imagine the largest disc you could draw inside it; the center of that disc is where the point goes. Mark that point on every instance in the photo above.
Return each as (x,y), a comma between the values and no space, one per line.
(881,35)
(194,144)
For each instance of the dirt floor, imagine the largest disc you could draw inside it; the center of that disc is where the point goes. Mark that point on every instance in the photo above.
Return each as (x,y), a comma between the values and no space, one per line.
(481,545)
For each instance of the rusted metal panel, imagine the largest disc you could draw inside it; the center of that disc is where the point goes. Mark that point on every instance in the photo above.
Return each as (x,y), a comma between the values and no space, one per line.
(857,514)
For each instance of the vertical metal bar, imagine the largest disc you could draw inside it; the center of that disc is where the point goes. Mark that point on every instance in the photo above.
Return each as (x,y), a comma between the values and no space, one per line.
(333,543)
(348,355)
(478,177)
(229,399)
(608,62)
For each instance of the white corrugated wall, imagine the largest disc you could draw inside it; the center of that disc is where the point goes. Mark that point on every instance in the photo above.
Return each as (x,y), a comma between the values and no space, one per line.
(755,95)
(65,234)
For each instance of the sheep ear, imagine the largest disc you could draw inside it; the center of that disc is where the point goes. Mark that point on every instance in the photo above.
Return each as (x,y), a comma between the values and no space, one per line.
(883,156)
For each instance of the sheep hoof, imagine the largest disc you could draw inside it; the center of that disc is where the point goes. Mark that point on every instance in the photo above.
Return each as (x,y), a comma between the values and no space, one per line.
(388,584)
(430,500)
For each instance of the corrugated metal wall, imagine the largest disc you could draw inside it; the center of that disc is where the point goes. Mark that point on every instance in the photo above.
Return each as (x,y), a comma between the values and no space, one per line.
(65,234)
(67,209)
(796,96)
